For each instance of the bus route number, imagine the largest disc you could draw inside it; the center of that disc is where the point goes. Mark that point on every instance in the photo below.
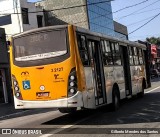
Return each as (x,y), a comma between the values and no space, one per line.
(57,69)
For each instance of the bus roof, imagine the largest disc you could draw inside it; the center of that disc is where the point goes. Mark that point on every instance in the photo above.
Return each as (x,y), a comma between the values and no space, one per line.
(123,42)
(40,29)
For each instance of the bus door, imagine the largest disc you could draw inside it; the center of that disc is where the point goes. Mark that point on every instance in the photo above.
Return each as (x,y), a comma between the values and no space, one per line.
(127,73)
(98,72)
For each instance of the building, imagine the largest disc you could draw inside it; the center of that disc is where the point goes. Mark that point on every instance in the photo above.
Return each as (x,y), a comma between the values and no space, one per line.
(15,16)
(120,31)
(5,83)
(95,15)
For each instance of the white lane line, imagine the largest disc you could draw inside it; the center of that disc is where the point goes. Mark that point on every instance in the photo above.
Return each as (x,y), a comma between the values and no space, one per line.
(67,126)
(152,89)
(6,116)
(46,135)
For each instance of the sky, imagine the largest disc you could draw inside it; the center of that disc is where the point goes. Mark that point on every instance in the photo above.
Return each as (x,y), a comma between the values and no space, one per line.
(136,17)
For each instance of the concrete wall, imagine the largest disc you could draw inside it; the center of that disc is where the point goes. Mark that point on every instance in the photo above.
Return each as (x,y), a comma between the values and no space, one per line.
(14,6)
(32,16)
(77,16)
(8,6)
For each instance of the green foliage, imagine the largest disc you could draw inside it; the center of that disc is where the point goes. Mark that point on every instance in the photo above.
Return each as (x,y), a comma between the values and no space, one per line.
(154,40)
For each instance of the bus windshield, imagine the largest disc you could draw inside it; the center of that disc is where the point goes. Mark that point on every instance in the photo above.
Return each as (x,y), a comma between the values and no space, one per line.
(41,45)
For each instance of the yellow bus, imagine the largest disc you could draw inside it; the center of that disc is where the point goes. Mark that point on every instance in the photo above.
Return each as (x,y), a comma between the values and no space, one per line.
(67,67)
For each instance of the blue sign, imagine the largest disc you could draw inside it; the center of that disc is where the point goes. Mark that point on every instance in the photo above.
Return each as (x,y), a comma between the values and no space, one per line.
(26,85)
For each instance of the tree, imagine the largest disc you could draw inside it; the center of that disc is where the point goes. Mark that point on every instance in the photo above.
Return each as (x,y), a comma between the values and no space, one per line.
(154,40)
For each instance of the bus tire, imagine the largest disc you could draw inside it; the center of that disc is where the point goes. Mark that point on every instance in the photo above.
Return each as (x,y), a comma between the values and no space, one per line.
(115,99)
(67,110)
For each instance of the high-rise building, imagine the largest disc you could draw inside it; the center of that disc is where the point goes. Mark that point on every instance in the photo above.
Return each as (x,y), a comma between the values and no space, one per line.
(95,15)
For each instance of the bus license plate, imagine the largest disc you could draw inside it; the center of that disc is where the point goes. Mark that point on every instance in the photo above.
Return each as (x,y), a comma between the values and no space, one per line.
(42,94)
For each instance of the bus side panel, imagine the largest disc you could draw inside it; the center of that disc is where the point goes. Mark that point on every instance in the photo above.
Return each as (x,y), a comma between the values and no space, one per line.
(109,77)
(142,75)
(137,75)
(89,94)
(119,79)
(134,79)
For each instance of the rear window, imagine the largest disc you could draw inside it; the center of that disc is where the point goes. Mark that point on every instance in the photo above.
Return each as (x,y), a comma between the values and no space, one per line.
(42,45)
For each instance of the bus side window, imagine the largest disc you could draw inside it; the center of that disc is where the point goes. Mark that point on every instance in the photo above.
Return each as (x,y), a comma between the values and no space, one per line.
(116,54)
(135,51)
(140,54)
(82,46)
(107,54)
(131,56)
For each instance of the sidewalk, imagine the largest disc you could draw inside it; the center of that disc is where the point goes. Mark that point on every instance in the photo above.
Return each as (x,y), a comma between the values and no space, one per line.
(154,83)
(7,110)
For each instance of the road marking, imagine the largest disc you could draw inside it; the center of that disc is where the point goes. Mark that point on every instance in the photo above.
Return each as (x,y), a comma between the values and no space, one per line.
(152,89)
(67,126)
(46,135)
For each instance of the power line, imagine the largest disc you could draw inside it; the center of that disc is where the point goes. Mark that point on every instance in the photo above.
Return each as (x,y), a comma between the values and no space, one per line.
(145,24)
(139,21)
(71,7)
(130,6)
(138,10)
(146,35)
(119,9)
(100,14)
(153,17)
(147,11)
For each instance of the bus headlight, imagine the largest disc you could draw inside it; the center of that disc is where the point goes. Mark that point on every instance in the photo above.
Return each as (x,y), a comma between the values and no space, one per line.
(16,88)
(72,83)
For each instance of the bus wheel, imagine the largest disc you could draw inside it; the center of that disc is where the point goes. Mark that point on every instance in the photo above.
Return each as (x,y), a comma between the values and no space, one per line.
(116,99)
(67,110)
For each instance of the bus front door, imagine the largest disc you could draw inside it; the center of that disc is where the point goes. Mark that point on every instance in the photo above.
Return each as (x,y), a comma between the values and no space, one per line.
(97,71)
(127,73)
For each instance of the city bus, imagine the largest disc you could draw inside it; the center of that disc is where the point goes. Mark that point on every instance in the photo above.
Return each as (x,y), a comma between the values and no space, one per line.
(70,68)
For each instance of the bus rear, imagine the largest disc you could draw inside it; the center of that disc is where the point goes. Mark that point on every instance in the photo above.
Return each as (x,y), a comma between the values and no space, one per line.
(43,69)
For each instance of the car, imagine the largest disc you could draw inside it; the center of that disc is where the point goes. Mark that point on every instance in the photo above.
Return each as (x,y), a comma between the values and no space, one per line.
(155,73)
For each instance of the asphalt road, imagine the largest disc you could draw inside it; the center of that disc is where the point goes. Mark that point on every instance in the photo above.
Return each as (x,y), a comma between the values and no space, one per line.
(134,116)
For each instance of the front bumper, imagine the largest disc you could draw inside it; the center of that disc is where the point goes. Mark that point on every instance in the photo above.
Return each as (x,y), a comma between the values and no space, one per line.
(74,101)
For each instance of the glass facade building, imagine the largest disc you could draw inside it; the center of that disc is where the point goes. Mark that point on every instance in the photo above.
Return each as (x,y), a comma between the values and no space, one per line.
(96,15)
(100,17)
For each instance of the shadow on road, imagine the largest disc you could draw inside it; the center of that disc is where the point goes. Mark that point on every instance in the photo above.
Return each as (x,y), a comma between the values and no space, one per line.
(26,112)
(134,110)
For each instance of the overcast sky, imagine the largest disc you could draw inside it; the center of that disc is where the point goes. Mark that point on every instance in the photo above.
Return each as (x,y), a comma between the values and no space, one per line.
(137,16)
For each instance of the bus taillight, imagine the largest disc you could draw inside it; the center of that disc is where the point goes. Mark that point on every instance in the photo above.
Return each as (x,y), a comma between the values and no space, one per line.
(72,83)
(16,89)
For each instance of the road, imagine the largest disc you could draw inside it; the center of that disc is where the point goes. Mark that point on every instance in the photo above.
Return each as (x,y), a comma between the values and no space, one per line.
(134,114)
